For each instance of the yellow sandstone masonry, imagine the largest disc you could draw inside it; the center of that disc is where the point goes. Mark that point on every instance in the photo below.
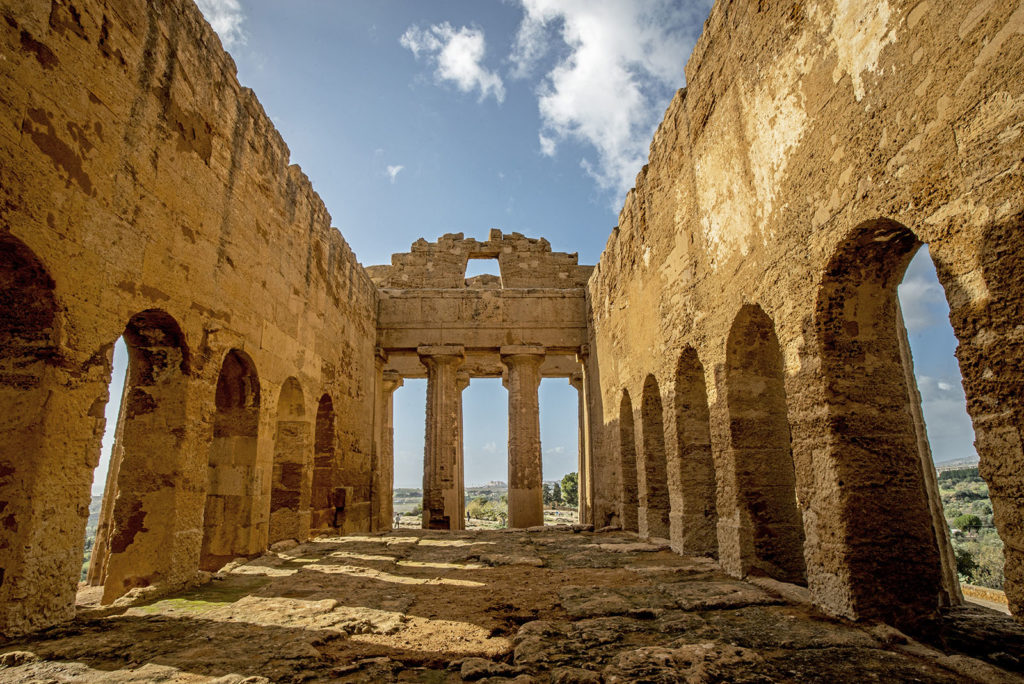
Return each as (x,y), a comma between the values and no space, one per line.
(746,388)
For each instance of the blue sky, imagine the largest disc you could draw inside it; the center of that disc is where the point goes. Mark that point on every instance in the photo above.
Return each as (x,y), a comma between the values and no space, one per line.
(416,118)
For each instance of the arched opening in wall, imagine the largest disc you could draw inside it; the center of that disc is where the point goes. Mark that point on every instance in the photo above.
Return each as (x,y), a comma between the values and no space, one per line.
(92,573)
(559,439)
(323,501)
(410,418)
(652,477)
(485,453)
(232,488)
(291,479)
(697,521)
(136,518)
(629,513)
(771,529)
(29,358)
(894,551)
(949,434)
(483,272)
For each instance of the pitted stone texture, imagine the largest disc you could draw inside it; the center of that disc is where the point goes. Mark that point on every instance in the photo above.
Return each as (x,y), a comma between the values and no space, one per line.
(419,606)
(785,188)
(524,263)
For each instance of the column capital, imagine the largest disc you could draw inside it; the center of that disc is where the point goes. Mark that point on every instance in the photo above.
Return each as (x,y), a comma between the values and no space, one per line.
(583,353)
(461,380)
(451,353)
(576,380)
(519,350)
(380,354)
(391,380)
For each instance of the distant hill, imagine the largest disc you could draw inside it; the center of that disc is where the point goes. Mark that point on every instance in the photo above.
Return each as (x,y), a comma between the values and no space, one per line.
(953,464)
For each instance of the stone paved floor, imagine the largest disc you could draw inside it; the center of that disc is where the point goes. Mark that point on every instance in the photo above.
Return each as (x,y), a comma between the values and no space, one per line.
(541,606)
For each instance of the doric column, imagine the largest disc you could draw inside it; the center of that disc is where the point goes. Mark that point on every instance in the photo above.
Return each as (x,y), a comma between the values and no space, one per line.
(390,381)
(525,489)
(578,381)
(442,495)
(461,383)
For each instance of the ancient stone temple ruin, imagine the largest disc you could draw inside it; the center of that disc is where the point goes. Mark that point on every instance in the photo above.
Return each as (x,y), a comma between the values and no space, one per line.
(745,384)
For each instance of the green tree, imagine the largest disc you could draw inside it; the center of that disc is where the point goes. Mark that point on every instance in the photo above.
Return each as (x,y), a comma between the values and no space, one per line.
(556,494)
(968,523)
(477,508)
(571,489)
(546,496)
(965,564)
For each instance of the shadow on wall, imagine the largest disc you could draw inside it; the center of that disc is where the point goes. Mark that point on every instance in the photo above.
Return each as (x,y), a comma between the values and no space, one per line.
(292,475)
(694,528)
(881,494)
(228,517)
(771,530)
(653,470)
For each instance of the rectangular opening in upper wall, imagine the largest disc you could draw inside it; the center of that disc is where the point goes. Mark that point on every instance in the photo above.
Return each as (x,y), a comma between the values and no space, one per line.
(483,272)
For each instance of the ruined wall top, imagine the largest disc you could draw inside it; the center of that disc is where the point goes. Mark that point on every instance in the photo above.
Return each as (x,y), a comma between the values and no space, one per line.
(523,262)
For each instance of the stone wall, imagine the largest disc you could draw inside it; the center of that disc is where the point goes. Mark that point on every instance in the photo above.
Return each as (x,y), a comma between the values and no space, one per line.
(747,382)
(816,146)
(524,263)
(145,193)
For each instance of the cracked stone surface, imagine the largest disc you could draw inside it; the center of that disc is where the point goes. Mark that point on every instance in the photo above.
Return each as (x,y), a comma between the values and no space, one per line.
(541,606)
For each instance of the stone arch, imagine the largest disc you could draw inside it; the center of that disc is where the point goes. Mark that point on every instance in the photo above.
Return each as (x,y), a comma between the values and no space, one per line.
(293,467)
(138,514)
(233,487)
(771,531)
(889,543)
(629,513)
(653,475)
(322,504)
(697,520)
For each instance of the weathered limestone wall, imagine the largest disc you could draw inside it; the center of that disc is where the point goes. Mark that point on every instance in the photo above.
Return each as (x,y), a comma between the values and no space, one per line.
(524,263)
(816,145)
(140,182)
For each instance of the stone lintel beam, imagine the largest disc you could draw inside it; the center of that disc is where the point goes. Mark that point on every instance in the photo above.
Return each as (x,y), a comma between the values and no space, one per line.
(525,488)
(442,493)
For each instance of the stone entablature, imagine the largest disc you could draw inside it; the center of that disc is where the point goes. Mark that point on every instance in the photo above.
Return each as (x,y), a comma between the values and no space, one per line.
(524,263)
(482,319)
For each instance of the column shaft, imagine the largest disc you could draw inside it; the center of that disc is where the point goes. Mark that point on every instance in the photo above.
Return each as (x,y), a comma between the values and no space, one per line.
(390,382)
(578,380)
(442,494)
(525,488)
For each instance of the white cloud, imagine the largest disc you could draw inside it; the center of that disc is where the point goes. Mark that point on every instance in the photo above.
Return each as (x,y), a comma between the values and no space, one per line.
(944,386)
(555,450)
(491,447)
(547,145)
(922,301)
(226,17)
(457,55)
(393,172)
(624,61)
